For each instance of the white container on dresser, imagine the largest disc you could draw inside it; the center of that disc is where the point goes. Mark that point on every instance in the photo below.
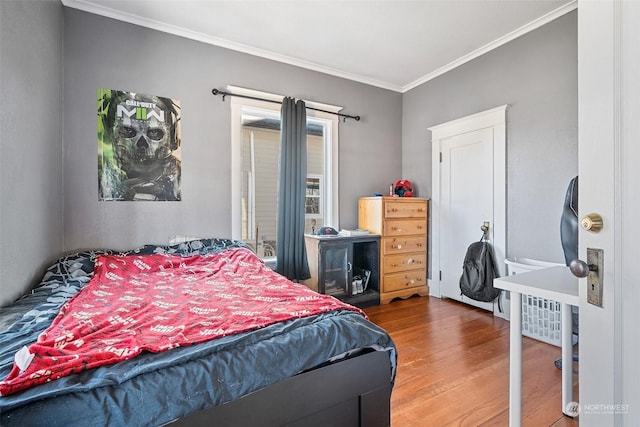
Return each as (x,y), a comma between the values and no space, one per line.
(402,223)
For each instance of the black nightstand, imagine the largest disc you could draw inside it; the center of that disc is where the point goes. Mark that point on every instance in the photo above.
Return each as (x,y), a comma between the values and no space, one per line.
(334,261)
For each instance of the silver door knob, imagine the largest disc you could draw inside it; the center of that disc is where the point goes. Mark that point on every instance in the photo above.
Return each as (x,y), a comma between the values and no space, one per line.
(580,268)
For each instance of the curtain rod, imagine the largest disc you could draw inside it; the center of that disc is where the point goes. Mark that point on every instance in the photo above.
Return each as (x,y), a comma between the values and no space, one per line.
(224,94)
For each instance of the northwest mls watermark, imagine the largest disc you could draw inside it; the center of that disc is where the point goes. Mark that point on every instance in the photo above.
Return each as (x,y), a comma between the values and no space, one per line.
(573,409)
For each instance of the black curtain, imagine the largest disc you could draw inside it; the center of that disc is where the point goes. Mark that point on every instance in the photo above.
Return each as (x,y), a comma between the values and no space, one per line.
(290,252)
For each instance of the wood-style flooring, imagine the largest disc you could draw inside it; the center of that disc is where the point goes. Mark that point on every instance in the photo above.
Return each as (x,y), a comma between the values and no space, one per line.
(453,367)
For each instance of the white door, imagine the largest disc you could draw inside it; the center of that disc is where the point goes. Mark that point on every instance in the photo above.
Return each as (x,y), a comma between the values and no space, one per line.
(466,185)
(609,154)
(469,189)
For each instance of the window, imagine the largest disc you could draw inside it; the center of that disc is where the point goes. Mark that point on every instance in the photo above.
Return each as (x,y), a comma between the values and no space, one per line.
(313,201)
(256,143)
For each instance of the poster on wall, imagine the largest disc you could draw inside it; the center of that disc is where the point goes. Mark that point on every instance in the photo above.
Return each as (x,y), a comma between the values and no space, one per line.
(139,155)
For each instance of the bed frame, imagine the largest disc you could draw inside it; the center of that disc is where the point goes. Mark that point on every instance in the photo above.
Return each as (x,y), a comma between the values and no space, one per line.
(353,392)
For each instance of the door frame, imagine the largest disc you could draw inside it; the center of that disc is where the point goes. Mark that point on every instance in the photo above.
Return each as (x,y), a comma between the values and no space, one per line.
(494,118)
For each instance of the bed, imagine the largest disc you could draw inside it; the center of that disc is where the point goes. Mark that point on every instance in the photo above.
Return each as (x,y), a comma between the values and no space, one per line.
(333,367)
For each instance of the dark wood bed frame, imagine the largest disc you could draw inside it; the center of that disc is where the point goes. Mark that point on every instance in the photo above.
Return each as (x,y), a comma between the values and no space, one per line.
(352,392)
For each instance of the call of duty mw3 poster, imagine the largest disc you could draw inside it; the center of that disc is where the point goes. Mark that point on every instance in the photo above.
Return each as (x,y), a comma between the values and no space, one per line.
(138,147)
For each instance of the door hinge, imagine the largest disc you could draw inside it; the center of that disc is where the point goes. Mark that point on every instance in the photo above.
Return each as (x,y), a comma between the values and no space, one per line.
(441,157)
(441,275)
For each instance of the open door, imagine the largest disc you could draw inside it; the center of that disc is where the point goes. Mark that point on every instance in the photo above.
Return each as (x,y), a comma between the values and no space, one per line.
(609,154)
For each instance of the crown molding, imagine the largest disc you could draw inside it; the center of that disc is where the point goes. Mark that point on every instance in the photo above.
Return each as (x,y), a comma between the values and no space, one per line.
(205,38)
(239,47)
(533,25)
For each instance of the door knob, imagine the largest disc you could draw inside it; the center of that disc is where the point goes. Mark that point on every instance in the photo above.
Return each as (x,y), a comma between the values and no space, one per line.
(593,270)
(592,222)
(580,268)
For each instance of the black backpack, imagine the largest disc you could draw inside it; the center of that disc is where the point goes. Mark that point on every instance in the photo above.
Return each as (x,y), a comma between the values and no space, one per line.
(478,271)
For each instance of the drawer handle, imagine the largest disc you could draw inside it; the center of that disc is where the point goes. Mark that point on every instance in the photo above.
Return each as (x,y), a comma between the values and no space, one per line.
(410,261)
(396,246)
(396,229)
(394,265)
(419,227)
(419,245)
(411,281)
(394,210)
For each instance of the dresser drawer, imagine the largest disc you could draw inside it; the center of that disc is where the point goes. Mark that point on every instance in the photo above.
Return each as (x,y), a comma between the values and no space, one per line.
(397,263)
(409,279)
(405,209)
(403,227)
(401,245)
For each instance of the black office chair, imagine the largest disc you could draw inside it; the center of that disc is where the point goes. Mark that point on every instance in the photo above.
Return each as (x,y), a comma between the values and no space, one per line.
(569,222)
(569,238)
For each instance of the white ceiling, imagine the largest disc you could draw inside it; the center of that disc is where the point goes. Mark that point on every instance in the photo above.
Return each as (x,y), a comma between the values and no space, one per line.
(393,44)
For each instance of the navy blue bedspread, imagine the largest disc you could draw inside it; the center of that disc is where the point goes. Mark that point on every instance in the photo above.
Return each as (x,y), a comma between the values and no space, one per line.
(153,389)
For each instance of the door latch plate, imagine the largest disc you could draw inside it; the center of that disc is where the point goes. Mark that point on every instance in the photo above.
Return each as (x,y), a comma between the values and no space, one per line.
(595,260)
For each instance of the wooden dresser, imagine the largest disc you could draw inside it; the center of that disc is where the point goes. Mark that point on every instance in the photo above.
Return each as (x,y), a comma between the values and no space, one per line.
(402,223)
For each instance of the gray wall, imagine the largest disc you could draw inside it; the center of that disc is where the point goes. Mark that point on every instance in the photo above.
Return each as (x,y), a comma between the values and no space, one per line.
(45,211)
(100,52)
(537,76)
(31,110)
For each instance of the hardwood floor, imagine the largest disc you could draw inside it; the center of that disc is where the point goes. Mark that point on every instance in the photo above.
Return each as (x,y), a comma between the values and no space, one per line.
(453,367)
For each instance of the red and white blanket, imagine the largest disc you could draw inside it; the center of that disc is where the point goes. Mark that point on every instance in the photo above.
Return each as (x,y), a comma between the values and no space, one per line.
(158,302)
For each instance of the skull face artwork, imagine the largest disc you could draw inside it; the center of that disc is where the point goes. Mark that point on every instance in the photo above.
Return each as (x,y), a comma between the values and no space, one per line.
(144,139)
(140,144)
